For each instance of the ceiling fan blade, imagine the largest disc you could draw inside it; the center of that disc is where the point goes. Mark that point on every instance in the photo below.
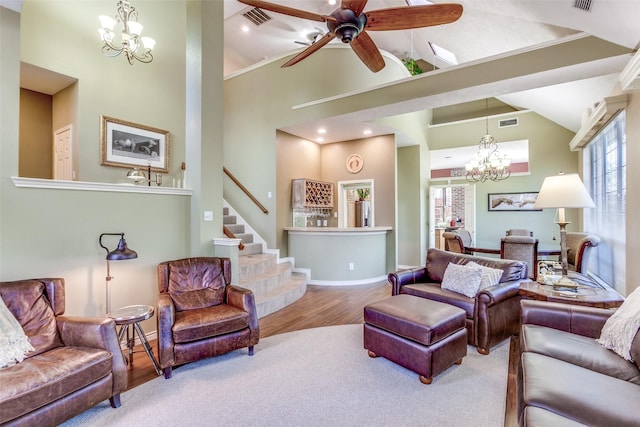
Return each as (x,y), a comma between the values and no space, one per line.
(357,6)
(288,10)
(311,49)
(368,52)
(405,18)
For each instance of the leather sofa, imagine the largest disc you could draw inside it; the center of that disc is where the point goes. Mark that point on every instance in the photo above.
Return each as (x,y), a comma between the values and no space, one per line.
(491,316)
(565,377)
(77,362)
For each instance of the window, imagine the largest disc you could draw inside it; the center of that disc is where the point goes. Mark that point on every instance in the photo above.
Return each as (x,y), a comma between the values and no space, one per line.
(605,174)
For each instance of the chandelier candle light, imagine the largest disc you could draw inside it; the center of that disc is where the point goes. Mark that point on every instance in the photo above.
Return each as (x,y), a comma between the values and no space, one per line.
(133,46)
(489,162)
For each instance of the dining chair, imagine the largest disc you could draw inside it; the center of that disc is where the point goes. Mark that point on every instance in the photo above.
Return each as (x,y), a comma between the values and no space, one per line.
(521,248)
(519,232)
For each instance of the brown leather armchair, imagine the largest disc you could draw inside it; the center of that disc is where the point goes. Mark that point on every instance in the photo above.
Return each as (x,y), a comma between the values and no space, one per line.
(579,248)
(200,314)
(77,362)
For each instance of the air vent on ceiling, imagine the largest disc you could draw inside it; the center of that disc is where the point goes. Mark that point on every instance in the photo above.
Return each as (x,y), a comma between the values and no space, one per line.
(257,16)
(582,5)
(505,123)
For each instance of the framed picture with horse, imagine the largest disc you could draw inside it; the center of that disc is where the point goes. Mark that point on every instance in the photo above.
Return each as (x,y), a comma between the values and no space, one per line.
(126,144)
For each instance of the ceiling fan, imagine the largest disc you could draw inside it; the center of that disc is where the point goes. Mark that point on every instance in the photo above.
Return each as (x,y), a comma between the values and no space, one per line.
(350,24)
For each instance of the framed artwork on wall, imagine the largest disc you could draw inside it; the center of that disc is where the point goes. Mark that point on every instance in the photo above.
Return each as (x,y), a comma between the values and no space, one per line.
(512,201)
(125,144)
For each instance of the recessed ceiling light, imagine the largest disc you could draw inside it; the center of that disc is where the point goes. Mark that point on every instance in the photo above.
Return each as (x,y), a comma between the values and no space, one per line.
(332,2)
(245,29)
(322,130)
(320,139)
(367,132)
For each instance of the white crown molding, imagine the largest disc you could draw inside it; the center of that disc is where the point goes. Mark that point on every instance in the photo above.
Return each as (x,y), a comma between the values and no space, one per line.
(630,76)
(603,112)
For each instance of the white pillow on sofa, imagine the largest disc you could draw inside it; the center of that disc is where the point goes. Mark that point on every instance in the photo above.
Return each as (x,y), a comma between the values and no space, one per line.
(462,279)
(619,330)
(490,276)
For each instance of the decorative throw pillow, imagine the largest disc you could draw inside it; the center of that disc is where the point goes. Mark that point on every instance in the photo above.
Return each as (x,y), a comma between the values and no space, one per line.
(619,330)
(462,279)
(14,343)
(490,276)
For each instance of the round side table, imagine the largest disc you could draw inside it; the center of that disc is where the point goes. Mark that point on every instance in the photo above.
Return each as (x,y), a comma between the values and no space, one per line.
(128,319)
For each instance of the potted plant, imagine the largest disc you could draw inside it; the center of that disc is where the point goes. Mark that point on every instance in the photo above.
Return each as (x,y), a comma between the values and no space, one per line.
(412,66)
(363,193)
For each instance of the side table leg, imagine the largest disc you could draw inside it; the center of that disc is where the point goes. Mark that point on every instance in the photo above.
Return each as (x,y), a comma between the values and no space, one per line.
(131,343)
(147,347)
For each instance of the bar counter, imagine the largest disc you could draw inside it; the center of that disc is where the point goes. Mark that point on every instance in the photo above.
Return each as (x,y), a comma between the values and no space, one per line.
(340,256)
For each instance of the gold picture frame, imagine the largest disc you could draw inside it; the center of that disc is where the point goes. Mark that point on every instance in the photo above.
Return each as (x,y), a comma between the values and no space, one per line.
(125,144)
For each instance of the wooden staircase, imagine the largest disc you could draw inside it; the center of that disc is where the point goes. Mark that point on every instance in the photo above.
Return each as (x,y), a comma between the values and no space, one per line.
(274,284)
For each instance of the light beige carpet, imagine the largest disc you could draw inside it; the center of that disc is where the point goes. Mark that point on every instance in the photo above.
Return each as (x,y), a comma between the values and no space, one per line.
(314,377)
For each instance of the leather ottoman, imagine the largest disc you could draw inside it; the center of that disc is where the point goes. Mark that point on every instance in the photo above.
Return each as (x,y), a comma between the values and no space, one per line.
(421,335)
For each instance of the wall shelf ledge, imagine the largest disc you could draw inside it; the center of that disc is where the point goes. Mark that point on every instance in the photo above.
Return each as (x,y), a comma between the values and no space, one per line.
(54,184)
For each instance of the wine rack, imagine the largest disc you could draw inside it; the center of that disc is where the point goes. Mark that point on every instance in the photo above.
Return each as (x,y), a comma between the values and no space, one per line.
(307,193)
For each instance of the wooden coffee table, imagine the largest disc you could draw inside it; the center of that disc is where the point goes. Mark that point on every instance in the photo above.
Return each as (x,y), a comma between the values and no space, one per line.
(589,293)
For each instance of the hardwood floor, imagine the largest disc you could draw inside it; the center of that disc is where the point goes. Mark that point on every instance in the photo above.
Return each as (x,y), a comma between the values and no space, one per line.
(323,306)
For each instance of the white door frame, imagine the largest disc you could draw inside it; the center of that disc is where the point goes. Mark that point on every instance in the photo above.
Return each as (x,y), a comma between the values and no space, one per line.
(343,186)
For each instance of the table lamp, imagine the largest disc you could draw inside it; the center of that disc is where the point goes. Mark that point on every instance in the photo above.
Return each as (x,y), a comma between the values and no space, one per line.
(122,252)
(560,192)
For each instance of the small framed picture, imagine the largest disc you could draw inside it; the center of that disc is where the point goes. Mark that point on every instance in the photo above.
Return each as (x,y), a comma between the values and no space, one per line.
(512,201)
(127,145)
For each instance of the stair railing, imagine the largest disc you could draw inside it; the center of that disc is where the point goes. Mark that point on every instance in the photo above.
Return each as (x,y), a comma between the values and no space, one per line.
(245,191)
(230,235)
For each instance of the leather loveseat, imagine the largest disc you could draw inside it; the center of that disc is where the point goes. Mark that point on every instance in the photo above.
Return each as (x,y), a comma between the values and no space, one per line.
(492,316)
(566,378)
(77,362)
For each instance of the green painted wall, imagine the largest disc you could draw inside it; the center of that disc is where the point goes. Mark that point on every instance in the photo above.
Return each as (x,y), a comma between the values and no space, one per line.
(548,155)
(263,99)
(51,232)
(410,206)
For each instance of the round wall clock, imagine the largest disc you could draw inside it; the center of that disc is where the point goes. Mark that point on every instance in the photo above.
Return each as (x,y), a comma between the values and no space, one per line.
(354,163)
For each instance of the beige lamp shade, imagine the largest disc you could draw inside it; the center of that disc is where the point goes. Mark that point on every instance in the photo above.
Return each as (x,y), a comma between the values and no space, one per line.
(563,191)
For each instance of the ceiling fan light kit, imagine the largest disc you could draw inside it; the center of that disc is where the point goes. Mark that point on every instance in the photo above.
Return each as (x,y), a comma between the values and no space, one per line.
(350,25)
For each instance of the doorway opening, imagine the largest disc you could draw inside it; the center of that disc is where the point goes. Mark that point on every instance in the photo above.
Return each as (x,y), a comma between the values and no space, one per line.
(451,207)
(349,192)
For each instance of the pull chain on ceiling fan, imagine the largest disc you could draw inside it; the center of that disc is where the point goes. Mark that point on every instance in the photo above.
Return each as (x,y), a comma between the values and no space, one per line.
(350,24)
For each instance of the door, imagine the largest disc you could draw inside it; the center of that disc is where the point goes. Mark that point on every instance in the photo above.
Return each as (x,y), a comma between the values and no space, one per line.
(447,202)
(62,157)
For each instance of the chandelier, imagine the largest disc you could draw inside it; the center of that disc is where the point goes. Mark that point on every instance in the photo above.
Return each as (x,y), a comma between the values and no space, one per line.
(489,163)
(133,46)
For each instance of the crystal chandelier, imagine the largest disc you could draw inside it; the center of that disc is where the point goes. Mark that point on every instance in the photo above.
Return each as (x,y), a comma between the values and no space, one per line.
(133,46)
(489,163)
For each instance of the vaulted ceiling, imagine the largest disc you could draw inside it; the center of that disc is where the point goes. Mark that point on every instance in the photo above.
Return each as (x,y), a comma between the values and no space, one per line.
(486,29)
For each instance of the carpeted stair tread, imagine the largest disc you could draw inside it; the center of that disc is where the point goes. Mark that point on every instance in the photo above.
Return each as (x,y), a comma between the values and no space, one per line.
(273,285)
(235,228)
(244,237)
(251,249)
(252,264)
(268,280)
(282,296)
